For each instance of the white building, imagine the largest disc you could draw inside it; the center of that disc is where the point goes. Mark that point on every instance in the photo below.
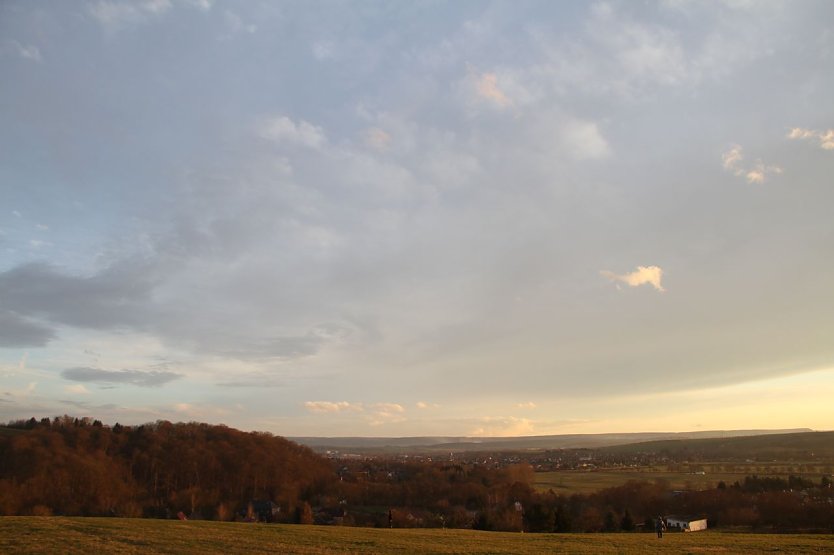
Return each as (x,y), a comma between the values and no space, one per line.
(685,524)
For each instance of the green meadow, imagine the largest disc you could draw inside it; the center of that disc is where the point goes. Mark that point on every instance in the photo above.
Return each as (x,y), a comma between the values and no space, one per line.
(114,535)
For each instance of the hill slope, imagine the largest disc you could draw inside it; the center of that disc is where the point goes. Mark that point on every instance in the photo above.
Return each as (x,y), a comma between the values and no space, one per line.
(462,444)
(113,535)
(788,446)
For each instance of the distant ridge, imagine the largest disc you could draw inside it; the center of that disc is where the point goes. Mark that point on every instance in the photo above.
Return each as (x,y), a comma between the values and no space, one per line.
(563,441)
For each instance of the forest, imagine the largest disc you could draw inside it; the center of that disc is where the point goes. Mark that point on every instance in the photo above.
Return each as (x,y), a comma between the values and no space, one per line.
(81,467)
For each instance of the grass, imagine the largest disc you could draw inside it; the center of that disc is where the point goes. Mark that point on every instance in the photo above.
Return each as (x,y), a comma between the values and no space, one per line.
(36,535)
(568,482)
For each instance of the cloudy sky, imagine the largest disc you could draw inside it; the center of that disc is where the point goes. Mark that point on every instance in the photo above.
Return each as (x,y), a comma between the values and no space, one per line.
(418,218)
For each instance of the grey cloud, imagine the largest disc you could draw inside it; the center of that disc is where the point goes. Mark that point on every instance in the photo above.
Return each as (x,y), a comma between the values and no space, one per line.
(253,383)
(194,313)
(16,331)
(88,406)
(281,347)
(139,378)
(108,299)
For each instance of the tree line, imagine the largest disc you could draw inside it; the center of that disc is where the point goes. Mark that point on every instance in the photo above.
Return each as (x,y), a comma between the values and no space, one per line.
(70,466)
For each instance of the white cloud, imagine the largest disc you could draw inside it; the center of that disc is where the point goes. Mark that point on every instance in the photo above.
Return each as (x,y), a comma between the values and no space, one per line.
(799,133)
(583,140)
(386,413)
(645,54)
(330,407)
(203,5)
(527,405)
(237,25)
(504,426)
(282,129)
(825,139)
(486,86)
(422,405)
(375,414)
(27,52)
(113,15)
(388,407)
(79,389)
(377,138)
(323,51)
(757,173)
(26,392)
(732,158)
(643,275)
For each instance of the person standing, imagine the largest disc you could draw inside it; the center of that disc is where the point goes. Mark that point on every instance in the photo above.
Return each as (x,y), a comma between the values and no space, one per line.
(659,526)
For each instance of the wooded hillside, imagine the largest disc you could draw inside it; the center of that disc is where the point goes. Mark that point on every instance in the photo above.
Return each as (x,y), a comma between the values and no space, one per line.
(80,467)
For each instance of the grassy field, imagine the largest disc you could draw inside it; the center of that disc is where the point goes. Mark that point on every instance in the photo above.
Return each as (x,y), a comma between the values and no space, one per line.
(111,535)
(582,481)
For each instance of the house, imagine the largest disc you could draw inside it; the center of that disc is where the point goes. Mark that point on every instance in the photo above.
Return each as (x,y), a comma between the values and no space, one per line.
(676,523)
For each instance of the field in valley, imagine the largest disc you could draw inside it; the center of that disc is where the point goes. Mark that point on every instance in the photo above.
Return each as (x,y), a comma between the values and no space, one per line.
(696,477)
(42,535)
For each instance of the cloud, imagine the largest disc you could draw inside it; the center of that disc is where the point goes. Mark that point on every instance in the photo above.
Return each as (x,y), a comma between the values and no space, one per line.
(113,14)
(583,140)
(643,275)
(237,25)
(245,347)
(79,389)
(282,129)
(108,299)
(27,52)
(528,405)
(330,407)
(799,133)
(375,414)
(825,139)
(503,426)
(202,5)
(22,393)
(757,173)
(377,138)
(388,407)
(17,331)
(255,382)
(422,405)
(386,413)
(486,86)
(140,378)
(732,158)
(129,296)
(324,50)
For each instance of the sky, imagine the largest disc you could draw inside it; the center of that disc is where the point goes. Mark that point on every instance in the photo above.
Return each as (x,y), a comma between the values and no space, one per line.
(418,218)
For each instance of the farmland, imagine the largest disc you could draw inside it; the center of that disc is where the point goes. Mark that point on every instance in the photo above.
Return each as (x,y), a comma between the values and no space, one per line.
(679,477)
(41,535)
